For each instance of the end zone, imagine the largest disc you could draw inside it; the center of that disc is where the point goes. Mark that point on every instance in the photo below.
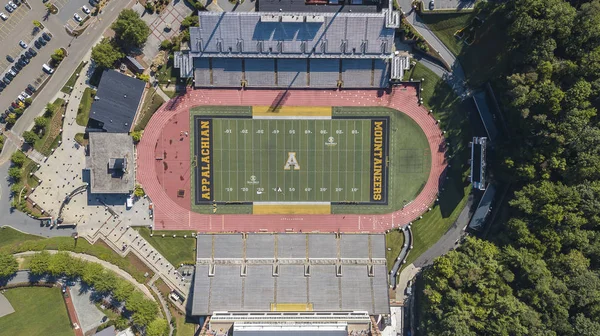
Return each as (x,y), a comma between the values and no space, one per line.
(291,208)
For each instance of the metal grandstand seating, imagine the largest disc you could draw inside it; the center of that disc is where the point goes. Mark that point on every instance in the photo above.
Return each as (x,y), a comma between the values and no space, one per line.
(292,73)
(260,72)
(357,73)
(324,73)
(227,72)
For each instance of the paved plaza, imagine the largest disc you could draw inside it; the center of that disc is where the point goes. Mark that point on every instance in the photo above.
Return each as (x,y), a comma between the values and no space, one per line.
(89,315)
(163,26)
(5,306)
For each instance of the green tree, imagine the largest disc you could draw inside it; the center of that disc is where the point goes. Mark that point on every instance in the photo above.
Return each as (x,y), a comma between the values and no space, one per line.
(130,29)
(123,289)
(28,101)
(40,263)
(190,21)
(8,265)
(15,173)
(144,310)
(58,56)
(50,110)
(166,45)
(106,53)
(40,122)
(59,264)
(139,191)
(158,327)
(18,158)
(30,137)
(105,283)
(92,273)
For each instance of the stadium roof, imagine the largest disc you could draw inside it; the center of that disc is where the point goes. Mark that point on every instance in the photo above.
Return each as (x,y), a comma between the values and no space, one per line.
(117,101)
(292,35)
(111,163)
(262,271)
(320,6)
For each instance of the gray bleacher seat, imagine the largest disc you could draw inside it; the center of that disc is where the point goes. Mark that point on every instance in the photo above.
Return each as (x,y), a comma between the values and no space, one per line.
(227,72)
(260,72)
(357,73)
(324,72)
(201,72)
(291,73)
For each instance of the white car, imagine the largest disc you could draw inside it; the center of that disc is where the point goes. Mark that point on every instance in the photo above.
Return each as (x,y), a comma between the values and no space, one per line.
(12,4)
(77,17)
(3,16)
(85,10)
(8,8)
(23,44)
(24,94)
(21,98)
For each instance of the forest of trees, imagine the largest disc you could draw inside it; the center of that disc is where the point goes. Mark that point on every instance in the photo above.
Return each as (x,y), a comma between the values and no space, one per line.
(540,275)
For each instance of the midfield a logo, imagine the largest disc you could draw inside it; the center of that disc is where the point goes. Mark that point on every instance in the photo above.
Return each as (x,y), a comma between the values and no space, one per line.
(291,161)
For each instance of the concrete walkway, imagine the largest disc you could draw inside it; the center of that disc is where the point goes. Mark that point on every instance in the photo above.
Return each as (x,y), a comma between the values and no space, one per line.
(104,264)
(162,302)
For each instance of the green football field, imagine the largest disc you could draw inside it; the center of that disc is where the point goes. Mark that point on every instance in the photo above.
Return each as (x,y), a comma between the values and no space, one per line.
(287,160)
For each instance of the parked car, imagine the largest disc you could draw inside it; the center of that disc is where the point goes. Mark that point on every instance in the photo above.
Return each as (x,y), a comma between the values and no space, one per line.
(77,17)
(25,94)
(31,87)
(431,5)
(85,10)
(9,58)
(12,4)
(24,59)
(33,52)
(8,8)
(28,54)
(42,41)
(23,44)
(18,2)
(17,66)
(11,74)
(6,80)
(3,16)
(46,37)
(47,68)
(2,84)
(21,98)
(14,105)
(14,71)
(37,44)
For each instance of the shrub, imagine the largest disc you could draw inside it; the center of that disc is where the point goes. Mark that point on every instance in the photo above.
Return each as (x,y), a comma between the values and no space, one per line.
(40,122)
(136,136)
(166,45)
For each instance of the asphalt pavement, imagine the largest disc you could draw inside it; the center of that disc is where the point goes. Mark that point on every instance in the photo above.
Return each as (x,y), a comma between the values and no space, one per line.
(76,47)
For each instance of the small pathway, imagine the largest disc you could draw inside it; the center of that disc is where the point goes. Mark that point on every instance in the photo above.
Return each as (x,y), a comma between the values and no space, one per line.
(105,264)
(36,156)
(165,308)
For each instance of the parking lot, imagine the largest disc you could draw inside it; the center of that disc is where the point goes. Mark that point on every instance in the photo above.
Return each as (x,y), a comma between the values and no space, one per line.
(9,33)
(70,7)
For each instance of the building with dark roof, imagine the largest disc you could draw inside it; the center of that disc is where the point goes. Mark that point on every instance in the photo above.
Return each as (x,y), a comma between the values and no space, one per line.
(484,208)
(117,101)
(478,165)
(293,49)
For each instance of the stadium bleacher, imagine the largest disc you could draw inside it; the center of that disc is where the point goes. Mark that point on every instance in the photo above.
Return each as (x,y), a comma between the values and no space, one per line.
(292,73)
(260,72)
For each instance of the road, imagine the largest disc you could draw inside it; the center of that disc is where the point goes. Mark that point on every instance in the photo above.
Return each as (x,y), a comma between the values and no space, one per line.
(79,47)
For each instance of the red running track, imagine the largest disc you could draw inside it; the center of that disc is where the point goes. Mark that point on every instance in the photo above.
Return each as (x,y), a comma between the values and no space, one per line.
(163,161)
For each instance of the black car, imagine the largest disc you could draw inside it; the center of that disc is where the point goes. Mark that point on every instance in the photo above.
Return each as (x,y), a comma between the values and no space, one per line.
(24,59)
(10,59)
(42,41)
(2,84)
(27,54)
(16,68)
(31,87)
(37,44)
(46,37)
(32,52)
(6,80)
(11,109)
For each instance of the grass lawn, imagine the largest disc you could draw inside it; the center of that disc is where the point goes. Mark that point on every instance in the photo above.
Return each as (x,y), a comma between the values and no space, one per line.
(454,117)
(13,241)
(52,132)
(487,57)
(445,25)
(152,102)
(9,236)
(177,250)
(28,167)
(72,79)
(38,311)
(82,139)
(85,105)
(393,241)
(168,72)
